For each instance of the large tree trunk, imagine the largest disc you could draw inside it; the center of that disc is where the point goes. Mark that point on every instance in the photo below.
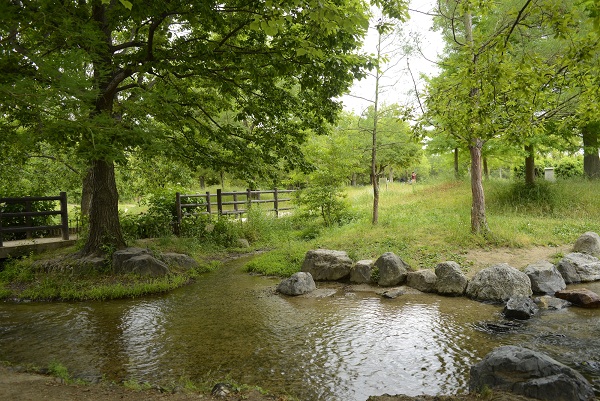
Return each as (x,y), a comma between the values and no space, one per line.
(478,220)
(529,165)
(86,194)
(105,231)
(591,144)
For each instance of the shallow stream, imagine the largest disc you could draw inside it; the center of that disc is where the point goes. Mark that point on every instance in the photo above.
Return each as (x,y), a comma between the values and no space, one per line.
(342,347)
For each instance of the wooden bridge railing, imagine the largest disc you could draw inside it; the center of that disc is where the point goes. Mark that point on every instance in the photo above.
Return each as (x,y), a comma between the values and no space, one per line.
(28,214)
(230,203)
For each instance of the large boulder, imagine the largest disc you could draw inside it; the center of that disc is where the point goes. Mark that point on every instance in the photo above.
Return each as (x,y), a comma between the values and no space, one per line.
(588,243)
(450,279)
(545,278)
(180,260)
(297,284)
(392,269)
(580,297)
(144,265)
(361,272)
(498,284)
(520,307)
(531,374)
(119,257)
(422,280)
(327,265)
(579,267)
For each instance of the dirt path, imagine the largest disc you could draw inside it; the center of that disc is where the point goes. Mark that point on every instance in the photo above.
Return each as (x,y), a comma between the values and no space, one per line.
(516,257)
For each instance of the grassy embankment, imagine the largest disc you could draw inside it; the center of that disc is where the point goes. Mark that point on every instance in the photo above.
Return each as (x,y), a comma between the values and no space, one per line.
(428,224)
(424,224)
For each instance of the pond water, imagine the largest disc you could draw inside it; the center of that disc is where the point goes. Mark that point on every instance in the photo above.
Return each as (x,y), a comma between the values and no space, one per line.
(342,347)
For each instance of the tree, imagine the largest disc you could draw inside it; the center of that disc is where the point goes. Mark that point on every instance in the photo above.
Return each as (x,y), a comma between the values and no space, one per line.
(109,78)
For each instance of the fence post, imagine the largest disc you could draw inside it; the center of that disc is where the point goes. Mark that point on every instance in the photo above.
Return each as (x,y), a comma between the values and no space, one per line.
(1,244)
(219,201)
(28,221)
(235,205)
(248,199)
(208,204)
(179,212)
(64,216)
(275,202)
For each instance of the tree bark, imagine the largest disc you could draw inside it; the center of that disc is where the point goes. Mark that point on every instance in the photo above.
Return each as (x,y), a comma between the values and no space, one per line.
(456,172)
(591,145)
(202,182)
(105,231)
(391,175)
(86,194)
(478,220)
(353,180)
(529,165)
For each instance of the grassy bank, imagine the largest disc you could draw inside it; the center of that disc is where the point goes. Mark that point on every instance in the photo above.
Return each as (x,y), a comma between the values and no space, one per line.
(424,224)
(427,224)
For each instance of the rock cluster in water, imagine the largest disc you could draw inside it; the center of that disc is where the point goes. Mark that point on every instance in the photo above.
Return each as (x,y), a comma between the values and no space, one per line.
(508,368)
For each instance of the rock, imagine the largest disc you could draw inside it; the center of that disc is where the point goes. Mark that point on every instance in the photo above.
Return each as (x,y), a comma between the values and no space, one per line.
(588,243)
(393,293)
(392,269)
(242,243)
(520,307)
(422,280)
(222,390)
(89,264)
(180,260)
(361,272)
(498,284)
(327,265)
(531,374)
(551,303)
(545,278)
(145,265)
(297,284)
(119,257)
(578,267)
(450,279)
(580,297)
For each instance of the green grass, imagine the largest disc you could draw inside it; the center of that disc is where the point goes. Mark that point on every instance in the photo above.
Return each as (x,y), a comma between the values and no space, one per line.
(428,224)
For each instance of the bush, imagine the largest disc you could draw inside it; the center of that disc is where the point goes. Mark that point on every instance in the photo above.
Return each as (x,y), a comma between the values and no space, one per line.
(569,167)
(538,199)
(327,201)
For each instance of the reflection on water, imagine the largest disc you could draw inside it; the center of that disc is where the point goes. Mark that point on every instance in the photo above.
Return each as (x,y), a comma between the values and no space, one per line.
(344,347)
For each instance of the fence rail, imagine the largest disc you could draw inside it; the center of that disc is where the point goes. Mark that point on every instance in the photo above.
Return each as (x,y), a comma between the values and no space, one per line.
(28,214)
(230,203)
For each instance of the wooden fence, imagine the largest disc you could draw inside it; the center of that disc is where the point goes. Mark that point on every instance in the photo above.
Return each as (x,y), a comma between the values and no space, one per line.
(230,203)
(28,227)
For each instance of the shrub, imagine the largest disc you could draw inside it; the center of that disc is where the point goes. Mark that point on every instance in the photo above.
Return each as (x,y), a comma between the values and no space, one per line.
(569,167)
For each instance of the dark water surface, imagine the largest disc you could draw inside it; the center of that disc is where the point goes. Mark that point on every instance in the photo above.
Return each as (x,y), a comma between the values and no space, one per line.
(343,347)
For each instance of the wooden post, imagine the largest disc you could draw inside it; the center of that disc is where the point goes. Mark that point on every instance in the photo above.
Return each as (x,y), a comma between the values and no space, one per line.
(179,212)
(28,222)
(64,216)
(275,202)
(220,201)
(1,244)
(249,198)
(235,206)
(208,203)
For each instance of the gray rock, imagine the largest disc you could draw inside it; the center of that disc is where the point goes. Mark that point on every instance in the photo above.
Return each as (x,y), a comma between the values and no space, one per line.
(361,272)
(529,373)
(588,243)
(242,243)
(393,293)
(145,265)
(179,259)
(450,279)
(327,265)
(392,269)
(579,267)
(119,257)
(580,297)
(297,284)
(498,284)
(551,303)
(520,307)
(545,278)
(422,280)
